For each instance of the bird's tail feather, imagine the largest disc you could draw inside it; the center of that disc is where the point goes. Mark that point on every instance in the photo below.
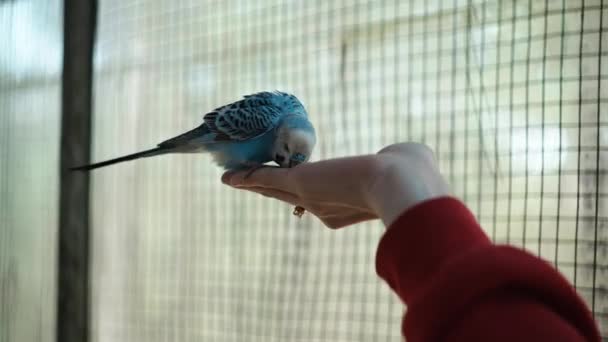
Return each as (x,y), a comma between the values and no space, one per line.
(147,153)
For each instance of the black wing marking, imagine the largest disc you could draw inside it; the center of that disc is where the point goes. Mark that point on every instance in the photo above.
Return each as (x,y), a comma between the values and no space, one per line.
(244,119)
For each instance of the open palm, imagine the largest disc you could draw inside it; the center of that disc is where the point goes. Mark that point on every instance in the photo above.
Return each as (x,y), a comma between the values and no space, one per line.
(344,191)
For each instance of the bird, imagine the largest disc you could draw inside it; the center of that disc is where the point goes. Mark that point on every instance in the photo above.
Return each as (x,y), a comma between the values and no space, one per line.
(259,128)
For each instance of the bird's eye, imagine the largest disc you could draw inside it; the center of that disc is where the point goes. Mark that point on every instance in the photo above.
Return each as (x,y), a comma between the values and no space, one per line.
(286,148)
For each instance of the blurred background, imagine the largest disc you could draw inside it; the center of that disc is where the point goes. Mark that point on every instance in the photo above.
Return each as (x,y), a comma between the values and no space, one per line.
(512,95)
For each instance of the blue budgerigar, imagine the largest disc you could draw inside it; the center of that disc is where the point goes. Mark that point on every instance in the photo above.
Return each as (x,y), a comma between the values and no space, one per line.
(262,127)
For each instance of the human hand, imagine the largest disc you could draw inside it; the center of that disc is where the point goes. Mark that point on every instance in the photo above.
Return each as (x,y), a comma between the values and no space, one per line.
(344,191)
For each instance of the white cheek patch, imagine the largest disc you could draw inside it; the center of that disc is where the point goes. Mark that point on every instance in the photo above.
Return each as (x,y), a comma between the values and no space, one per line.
(302,138)
(278,145)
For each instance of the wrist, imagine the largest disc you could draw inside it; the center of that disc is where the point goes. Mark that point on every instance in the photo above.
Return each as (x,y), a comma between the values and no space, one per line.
(404,181)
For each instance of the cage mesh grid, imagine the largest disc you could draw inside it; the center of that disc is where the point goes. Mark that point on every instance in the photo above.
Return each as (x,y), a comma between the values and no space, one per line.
(30,62)
(511,95)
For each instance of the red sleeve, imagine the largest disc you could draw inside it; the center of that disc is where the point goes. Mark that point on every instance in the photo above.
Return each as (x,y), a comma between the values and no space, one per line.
(458,286)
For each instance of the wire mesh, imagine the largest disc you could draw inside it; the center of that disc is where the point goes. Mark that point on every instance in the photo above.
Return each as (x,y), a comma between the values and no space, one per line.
(30,62)
(512,95)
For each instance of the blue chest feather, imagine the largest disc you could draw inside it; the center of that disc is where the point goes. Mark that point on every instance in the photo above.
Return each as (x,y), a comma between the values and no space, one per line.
(244,154)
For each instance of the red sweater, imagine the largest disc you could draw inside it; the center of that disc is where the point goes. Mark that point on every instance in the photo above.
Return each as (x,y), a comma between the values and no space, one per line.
(458,286)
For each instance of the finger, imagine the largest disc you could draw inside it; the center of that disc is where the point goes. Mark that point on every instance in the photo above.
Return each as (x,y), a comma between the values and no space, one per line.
(277,194)
(227,176)
(266,177)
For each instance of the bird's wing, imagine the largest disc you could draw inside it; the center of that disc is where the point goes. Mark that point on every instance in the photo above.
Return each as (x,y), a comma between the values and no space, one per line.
(184,139)
(244,119)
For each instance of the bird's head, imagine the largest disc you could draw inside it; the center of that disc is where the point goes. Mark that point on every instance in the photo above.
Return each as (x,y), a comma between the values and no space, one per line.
(295,141)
